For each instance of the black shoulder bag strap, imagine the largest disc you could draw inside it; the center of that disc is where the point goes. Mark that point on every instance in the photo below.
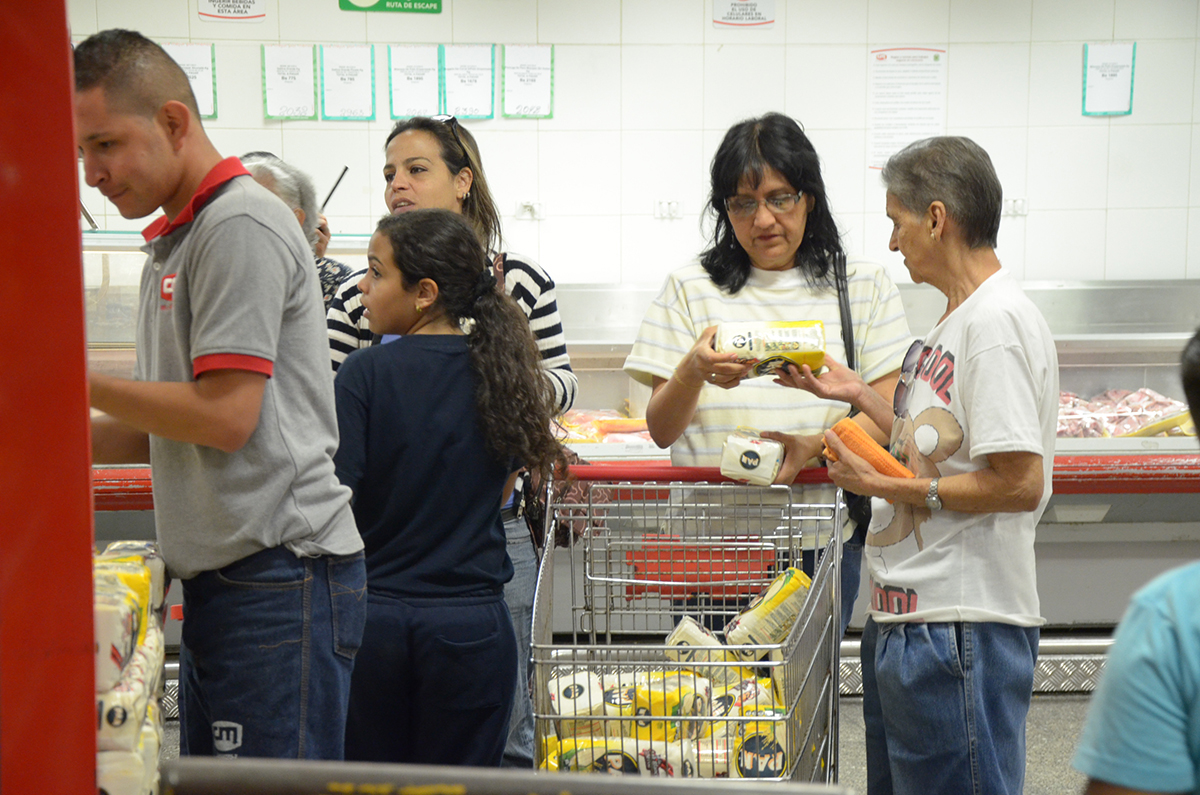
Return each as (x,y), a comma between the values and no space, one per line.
(857,506)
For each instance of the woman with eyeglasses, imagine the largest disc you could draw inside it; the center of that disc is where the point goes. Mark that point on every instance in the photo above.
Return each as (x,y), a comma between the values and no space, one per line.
(775,254)
(434,162)
(949,649)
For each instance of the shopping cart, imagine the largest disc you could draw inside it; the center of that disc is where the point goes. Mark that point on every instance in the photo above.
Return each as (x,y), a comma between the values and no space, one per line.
(649,546)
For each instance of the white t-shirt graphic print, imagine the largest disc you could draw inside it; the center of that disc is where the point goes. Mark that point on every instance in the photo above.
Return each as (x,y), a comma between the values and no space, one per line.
(986,382)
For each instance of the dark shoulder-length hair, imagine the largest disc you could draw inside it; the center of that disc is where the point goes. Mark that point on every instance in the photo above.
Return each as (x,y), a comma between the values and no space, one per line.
(749,148)
(514,403)
(460,151)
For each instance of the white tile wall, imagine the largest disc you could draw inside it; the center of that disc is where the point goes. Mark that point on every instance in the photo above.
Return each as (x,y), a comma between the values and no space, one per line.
(1146,244)
(822,22)
(644,90)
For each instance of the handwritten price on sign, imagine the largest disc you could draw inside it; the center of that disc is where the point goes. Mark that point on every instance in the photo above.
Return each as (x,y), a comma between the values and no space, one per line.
(294,110)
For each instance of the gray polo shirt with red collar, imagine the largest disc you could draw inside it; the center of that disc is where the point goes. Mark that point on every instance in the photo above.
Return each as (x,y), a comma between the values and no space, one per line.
(230,284)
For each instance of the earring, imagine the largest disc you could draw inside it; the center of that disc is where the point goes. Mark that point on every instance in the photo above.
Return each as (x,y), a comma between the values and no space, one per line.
(420,309)
(466,196)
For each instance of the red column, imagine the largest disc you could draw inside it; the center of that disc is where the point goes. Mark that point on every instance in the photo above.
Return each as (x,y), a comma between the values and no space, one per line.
(47,676)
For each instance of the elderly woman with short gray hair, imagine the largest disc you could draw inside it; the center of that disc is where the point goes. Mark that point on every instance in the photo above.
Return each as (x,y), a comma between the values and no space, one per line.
(296,190)
(950,645)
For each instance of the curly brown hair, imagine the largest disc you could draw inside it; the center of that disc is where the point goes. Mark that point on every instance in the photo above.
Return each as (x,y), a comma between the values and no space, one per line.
(513,400)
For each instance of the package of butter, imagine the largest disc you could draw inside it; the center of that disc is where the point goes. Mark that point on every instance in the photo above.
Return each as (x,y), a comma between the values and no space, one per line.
(770,616)
(629,756)
(121,710)
(750,458)
(668,694)
(760,748)
(772,343)
(147,552)
(117,615)
(134,575)
(695,646)
(577,695)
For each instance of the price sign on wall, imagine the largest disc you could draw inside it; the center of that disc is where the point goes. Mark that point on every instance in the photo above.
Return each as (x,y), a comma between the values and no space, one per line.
(529,81)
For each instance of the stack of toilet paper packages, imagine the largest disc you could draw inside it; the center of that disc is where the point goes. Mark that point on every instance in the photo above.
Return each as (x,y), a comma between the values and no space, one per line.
(129,592)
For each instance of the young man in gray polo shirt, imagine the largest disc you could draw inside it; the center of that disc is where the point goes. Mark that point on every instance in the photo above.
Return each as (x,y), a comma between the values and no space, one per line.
(232,405)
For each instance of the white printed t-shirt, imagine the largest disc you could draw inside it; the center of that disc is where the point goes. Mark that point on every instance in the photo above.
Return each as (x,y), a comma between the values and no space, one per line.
(986,382)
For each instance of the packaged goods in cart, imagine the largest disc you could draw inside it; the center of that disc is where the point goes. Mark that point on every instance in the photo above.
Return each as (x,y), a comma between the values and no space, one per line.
(748,457)
(772,343)
(760,747)
(697,647)
(627,755)
(661,695)
(619,701)
(770,615)
(577,695)
(713,755)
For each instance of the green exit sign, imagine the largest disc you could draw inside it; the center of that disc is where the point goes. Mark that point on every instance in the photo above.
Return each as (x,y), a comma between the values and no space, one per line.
(411,6)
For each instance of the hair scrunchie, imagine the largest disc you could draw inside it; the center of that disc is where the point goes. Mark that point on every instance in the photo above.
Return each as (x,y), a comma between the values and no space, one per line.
(485,284)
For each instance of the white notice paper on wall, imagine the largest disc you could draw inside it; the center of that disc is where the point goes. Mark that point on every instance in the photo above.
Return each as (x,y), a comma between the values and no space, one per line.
(744,14)
(232,10)
(529,81)
(906,98)
(196,60)
(1108,78)
(348,82)
(289,81)
(413,76)
(469,80)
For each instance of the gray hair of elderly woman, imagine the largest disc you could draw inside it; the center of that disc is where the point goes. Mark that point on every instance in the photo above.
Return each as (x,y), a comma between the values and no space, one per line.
(955,171)
(290,184)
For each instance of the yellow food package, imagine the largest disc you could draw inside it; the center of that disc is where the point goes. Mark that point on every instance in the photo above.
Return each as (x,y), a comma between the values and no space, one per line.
(667,695)
(691,643)
(629,756)
(770,616)
(134,574)
(772,343)
(620,697)
(760,748)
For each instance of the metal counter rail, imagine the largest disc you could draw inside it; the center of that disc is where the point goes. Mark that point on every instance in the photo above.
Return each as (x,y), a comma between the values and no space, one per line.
(128,488)
(213,776)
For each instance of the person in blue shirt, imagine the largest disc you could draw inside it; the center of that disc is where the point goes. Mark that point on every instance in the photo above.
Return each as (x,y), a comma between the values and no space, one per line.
(432,425)
(1142,732)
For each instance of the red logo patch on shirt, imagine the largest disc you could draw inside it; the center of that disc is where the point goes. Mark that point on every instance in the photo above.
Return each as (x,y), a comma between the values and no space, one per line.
(166,290)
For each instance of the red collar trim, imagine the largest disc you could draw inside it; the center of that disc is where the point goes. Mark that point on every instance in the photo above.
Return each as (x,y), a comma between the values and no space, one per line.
(221,173)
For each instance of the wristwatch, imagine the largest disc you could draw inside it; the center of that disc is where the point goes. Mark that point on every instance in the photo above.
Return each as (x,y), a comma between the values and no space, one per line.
(932,501)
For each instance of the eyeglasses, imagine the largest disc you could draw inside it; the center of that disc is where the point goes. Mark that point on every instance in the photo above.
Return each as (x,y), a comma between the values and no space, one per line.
(908,373)
(746,207)
(453,123)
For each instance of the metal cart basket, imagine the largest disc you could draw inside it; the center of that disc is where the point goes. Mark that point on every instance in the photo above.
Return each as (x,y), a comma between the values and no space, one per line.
(650,549)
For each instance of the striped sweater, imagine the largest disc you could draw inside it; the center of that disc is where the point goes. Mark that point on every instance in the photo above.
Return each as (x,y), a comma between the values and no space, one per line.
(524,280)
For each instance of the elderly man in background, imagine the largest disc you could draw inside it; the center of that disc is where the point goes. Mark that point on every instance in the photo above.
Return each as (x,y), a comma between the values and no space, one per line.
(296,190)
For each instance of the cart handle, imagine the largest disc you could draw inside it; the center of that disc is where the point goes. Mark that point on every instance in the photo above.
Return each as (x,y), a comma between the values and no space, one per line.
(665,473)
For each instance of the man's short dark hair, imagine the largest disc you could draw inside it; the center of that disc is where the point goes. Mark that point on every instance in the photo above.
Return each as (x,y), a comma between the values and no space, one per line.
(136,74)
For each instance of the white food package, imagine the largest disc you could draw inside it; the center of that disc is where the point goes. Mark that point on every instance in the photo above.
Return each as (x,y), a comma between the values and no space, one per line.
(121,710)
(117,616)
(577,694)
(748,457)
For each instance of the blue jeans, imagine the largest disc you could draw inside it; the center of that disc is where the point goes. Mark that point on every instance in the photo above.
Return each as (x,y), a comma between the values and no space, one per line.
(268,647)
(433,683)
(852,556)
(945,705)
(518,595)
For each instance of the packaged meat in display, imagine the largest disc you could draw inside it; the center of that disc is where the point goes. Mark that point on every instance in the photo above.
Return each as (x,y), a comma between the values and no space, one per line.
(1121,412)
